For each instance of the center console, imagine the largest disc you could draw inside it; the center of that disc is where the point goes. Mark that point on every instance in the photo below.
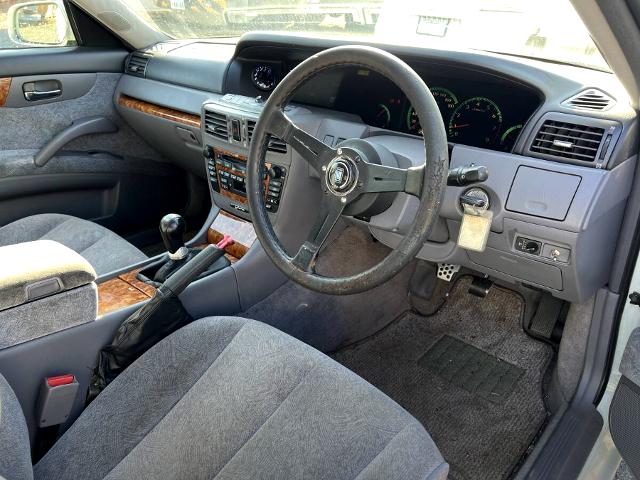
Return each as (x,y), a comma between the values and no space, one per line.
(227,129)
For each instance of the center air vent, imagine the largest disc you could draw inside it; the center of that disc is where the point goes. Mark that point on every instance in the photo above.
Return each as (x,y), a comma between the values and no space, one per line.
(216,124)
(591,100)
(137,64)
(568,141)
(275,144)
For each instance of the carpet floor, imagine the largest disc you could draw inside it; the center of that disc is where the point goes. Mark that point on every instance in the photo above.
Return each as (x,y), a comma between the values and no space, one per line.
(468,373)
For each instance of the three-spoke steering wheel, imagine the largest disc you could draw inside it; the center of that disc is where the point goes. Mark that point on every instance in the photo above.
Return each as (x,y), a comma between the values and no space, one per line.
(349,172)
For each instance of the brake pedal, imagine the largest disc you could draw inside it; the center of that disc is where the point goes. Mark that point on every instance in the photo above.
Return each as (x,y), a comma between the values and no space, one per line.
(446,271)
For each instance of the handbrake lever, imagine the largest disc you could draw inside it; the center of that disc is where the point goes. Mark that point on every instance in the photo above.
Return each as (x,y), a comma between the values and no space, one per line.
(467,175)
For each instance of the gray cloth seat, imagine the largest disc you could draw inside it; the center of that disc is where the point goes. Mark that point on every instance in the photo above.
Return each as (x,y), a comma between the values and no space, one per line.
(228,397)
(102,248)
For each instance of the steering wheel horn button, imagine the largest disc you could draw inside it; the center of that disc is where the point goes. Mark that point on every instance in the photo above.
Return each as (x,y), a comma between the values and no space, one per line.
(341,176)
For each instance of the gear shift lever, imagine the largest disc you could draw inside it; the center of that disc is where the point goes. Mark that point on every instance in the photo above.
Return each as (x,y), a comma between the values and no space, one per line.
(172,229)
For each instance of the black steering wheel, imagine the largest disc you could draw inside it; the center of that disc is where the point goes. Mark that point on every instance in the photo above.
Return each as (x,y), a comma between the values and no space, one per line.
(356,172)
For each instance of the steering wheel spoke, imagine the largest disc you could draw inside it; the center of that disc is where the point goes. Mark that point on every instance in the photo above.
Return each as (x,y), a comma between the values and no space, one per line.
(380,178)
(330,210)
(310,148)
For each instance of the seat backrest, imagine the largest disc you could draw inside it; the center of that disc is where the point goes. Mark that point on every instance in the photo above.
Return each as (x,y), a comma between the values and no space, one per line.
(15,451)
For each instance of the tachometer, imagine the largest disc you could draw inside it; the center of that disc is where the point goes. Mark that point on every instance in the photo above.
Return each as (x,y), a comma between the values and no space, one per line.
(477,121)
(509,137)
(446,101)
(263,77)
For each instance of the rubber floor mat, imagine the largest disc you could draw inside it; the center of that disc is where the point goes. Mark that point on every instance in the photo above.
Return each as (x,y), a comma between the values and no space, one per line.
(469,373)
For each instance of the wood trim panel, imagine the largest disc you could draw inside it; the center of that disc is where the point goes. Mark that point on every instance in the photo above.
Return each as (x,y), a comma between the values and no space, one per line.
(5,85)
(115,294)
(232,195)
(158,111)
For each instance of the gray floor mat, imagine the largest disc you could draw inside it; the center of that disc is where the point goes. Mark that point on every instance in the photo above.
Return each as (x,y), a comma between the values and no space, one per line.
(480,438)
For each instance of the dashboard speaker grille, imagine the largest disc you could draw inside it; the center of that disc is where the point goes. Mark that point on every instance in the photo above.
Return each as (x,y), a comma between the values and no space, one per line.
(216,124)
(275,144)
(592,99)
(568,141)
(137,64)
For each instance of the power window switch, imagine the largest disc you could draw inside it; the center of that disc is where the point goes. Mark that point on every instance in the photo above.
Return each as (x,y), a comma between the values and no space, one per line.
(56,399)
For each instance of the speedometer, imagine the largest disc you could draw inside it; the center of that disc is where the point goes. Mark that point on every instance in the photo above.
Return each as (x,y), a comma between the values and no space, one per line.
(446,101)
(477,121)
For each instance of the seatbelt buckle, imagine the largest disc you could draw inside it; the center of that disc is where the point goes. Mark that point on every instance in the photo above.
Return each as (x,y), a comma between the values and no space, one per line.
(56,399)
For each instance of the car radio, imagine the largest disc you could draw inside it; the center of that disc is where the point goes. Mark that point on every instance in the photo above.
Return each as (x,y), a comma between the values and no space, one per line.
(228,177)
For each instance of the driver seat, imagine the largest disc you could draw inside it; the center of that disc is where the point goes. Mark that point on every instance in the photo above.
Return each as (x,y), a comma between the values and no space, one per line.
(227,397)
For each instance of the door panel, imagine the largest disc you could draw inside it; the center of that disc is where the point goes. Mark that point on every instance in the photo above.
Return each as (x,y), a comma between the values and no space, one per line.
(116,179)
(624,413)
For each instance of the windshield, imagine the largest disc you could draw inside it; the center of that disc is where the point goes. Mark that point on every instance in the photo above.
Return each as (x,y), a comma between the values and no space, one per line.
(548,29)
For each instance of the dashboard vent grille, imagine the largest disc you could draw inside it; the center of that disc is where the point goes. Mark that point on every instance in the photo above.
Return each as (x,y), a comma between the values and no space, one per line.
(592,100)
(216,125)
(568,141)
(275,144)
(250,126)
(137,64)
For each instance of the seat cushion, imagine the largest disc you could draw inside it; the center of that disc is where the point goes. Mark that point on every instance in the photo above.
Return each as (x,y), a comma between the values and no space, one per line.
(227,397)
(102,248)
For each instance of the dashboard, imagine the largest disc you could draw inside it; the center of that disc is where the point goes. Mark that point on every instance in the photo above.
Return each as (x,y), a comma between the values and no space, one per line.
(560,166)
(477,110)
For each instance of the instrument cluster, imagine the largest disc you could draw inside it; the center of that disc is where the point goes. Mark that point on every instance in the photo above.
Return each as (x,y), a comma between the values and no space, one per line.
(475,113)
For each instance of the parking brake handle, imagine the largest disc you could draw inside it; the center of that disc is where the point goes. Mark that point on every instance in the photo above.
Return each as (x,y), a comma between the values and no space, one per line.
(467,175)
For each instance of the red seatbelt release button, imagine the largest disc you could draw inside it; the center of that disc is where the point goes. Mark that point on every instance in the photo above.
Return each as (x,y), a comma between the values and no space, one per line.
(61,380)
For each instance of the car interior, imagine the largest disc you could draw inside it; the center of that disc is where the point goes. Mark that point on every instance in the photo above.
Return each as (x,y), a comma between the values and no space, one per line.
(284,252)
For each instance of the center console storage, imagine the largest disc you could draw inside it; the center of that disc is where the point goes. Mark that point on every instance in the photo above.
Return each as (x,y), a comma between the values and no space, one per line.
(45,287)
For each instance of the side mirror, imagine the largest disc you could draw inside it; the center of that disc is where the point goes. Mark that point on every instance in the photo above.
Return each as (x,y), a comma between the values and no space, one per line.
(39,24)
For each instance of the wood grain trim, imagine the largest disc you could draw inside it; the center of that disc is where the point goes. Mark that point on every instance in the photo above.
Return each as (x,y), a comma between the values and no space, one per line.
(5,85)
(115,294)
(158,111)
(122,291)
(237,249)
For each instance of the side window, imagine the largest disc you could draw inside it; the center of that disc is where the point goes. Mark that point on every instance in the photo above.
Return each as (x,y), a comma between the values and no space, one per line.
(29,24)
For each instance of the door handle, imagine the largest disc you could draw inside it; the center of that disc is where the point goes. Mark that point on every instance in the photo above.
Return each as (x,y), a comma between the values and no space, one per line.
(41,90)
(35,95)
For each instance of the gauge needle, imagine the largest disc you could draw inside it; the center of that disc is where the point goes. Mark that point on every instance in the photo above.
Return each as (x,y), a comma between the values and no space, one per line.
(460,126)
(381,112)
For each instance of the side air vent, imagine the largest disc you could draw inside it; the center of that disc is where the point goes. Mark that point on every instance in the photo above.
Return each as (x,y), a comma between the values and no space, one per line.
(591,100)
(568,141)
(137,64)
(275,144)
(216,124)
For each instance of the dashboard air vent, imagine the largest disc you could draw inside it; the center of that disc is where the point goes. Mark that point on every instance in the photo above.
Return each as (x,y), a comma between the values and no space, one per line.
(137,64)
(216,124)
(250,126)
(275,144)
(568,141)
(591,100)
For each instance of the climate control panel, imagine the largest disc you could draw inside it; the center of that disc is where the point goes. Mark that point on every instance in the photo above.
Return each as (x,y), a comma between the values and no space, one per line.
(228,177)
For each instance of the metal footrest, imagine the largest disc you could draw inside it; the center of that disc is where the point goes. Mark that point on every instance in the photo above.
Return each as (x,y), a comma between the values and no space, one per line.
(446,271)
